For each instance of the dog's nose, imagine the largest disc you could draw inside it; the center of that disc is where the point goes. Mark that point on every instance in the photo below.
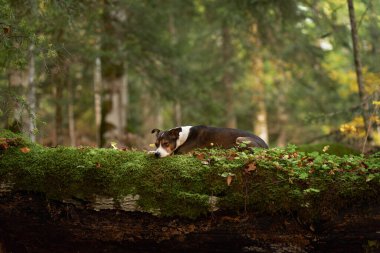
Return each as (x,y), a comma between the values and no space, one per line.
(157,154)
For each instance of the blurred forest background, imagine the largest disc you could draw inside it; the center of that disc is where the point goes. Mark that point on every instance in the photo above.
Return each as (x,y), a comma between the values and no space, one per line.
(94,71)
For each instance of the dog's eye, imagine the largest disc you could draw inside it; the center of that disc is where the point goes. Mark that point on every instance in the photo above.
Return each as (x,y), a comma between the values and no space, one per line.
(165,144)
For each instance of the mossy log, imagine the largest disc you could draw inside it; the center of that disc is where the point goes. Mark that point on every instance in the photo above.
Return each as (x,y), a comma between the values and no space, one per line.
(105,200)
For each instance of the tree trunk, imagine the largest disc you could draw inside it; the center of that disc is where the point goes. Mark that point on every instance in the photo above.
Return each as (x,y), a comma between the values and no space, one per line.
(178,113)
(32,95)
(30,222)
(260,123)
(115,107)
(228,78)
(281,85)
(13,113)
(59,84)
(70,109)
(112,109)
(124,103)
(374,29)
(151,112)
(176,79)
(98,98)
(114,78)
(358,65)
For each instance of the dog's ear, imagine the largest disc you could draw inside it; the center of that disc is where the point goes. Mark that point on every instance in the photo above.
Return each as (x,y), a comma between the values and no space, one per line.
(175,132)
(157,131)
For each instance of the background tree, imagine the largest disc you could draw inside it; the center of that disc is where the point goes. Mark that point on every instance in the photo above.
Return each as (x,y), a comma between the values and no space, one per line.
(113,70)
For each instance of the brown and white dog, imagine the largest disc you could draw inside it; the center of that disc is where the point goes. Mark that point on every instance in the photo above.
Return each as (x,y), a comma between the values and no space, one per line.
(184,139)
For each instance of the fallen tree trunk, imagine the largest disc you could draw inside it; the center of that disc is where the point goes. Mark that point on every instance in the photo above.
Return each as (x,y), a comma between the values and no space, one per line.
(102,200)
(31,223)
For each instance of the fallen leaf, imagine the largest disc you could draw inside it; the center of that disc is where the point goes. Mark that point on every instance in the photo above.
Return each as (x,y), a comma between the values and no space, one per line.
(25,150)
(200,156)
(3,144)
(6,30)
(229,180)
(250,167)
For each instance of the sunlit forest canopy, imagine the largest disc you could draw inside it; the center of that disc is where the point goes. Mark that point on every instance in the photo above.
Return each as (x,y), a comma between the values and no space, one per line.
(94,72)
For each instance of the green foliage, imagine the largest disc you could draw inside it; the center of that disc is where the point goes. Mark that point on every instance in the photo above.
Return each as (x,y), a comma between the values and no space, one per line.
(173,51)
(278,180)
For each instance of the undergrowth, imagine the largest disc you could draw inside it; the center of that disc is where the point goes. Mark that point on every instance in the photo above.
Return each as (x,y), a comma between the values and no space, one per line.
(315,185)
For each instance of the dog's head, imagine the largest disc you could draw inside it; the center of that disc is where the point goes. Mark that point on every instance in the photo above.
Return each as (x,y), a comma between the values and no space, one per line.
(166,141)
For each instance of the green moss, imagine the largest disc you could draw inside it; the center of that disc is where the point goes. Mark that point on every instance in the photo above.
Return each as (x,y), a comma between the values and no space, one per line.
(269,181)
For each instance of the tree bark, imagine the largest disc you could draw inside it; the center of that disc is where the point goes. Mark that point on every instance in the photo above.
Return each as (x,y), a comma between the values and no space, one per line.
(113,127)
(124,103)
(151,112)
(98,98)
(114,78)
(281,85)
(13,113)
(176,79)
(70,109)
(228,78)
(260,123)
(30,222)
(32,94)
(178,113)
(358,65)
(59,84)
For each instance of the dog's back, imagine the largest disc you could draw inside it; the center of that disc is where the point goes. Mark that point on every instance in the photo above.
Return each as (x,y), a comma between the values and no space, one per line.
(205,137)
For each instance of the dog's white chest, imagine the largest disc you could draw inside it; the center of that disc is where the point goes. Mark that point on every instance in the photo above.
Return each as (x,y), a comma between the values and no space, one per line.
(183,135)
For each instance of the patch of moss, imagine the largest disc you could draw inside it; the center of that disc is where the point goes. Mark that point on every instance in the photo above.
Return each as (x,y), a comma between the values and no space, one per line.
(269,181)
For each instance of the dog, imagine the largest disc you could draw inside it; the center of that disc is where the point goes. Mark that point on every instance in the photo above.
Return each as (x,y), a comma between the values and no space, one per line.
(181,140)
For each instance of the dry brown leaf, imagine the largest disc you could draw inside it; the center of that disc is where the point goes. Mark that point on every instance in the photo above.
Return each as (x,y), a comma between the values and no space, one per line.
(251,167)
(25,150)
(6,30)
(200,156)
(229,180)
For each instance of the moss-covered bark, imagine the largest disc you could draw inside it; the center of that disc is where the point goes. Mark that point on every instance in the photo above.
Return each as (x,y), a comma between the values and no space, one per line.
(315,186)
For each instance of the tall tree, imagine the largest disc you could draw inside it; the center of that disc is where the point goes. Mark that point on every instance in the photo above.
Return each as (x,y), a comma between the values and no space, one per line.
(98,99)
(227,52)
(113,74)
(32,94)
(70,109)
(358,64)
(175,76)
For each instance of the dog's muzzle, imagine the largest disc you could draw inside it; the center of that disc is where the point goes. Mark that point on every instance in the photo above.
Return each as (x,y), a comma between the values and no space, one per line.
(157,154)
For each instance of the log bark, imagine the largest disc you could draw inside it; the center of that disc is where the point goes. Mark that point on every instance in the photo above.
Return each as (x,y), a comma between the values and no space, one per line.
(29,222)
